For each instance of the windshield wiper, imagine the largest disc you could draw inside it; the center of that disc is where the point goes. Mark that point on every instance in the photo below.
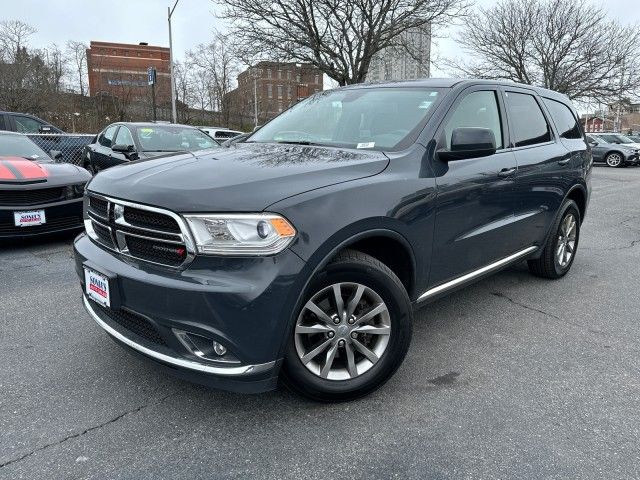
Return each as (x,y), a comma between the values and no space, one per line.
(169,151)
(297,142)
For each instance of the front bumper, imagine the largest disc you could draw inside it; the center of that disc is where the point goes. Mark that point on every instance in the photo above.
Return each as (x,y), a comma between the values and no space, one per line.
(243,303)
(60,217)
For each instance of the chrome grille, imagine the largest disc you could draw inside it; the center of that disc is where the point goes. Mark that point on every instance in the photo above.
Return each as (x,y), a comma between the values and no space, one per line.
(138,231)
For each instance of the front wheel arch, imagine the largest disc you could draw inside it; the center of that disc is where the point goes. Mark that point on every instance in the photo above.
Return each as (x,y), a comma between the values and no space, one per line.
(323,256)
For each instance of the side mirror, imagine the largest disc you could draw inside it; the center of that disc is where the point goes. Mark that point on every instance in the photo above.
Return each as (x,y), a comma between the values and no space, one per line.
(56,155)
(129,151)
(122,148)
(469,142)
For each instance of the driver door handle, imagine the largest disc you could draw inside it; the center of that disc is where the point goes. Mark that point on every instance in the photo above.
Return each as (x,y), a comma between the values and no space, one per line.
(507,172)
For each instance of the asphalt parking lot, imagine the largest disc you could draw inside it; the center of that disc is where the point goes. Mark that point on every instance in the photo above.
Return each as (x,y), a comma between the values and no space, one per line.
(513,377)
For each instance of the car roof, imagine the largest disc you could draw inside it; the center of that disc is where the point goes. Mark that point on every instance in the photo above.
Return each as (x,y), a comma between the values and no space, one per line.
(19,113)
(461,83)
(152,124)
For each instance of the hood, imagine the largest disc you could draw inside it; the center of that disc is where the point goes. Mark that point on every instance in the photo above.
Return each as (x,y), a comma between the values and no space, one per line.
(20,171)
(243,178)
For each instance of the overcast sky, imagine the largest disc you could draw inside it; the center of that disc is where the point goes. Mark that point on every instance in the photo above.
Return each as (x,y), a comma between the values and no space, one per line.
(134,21)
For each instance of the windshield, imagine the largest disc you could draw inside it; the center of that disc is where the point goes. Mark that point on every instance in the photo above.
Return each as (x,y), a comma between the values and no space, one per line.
(173,139)
(19,146)
(614,138)
(371,118)
(624,139)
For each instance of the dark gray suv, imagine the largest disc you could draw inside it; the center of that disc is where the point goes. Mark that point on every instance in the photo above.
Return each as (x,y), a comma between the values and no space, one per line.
(301,253)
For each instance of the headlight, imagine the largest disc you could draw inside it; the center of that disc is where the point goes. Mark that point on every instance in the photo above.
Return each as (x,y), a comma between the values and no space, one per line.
(240,234)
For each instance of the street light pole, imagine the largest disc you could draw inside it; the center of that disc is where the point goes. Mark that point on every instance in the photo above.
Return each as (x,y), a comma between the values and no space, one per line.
(255,100)
(174,115)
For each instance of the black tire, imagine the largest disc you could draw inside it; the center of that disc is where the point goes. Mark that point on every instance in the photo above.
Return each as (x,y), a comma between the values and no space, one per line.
(357,267)
(609,160)
(548,266)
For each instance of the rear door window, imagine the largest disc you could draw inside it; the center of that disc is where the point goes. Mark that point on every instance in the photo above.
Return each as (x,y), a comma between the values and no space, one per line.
(526,120)
(563,117)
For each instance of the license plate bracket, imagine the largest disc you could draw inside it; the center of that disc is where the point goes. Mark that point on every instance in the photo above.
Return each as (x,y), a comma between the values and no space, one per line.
(29,218)
(101,286)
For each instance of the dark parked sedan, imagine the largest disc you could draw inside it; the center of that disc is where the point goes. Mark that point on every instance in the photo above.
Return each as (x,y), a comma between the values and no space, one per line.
(123,142)
(37,196)
(613,154)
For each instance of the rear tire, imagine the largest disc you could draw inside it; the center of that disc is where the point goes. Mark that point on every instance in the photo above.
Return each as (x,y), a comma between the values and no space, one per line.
(560,249)
(362,350)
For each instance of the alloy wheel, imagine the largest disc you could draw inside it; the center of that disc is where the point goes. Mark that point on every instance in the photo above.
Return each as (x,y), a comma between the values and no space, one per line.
(566,240)
(614,160)
(342,331)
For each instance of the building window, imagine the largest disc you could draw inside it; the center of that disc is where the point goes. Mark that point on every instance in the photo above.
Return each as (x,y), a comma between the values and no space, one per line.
(288,74)
(317,79)
(280,91)
(270,91)
(298,78)
(280,74)
(268,73)
(279,107)
(289,91)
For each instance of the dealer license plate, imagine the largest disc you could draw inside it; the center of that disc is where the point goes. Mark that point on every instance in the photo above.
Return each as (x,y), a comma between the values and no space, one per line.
(29,219)
(97,287)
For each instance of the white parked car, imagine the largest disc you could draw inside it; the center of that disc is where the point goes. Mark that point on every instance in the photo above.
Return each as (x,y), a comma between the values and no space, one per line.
(220,134)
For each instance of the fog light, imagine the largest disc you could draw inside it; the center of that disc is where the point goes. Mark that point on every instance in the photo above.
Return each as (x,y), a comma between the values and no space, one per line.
(205,348)
(219,349)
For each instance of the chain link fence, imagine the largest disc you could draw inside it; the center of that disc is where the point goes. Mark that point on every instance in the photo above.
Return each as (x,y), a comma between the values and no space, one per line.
(69,144)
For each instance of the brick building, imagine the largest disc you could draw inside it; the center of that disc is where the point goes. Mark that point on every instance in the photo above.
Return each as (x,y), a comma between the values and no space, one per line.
(120,70)
(275,86)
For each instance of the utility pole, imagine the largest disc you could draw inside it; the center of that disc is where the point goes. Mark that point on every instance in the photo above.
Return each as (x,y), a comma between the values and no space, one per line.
(255,100)
(174,115)
(618,126)
(151,80)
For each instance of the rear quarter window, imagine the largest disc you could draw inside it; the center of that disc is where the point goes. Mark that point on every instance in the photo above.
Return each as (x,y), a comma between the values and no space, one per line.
(563,117)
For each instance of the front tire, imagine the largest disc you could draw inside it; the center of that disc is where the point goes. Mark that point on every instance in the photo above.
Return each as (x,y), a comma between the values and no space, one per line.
(351,333)
(614,160)
(561,246)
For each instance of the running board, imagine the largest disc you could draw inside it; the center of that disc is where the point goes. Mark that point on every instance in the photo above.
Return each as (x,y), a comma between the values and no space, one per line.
(475,274)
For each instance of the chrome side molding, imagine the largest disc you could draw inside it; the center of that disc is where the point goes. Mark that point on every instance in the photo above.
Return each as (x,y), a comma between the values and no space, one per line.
(476,273)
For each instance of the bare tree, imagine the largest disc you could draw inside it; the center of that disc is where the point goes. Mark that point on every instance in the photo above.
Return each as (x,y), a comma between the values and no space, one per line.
(340,37)
(77,56)
(14,36)
(565,45)
(217,62)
